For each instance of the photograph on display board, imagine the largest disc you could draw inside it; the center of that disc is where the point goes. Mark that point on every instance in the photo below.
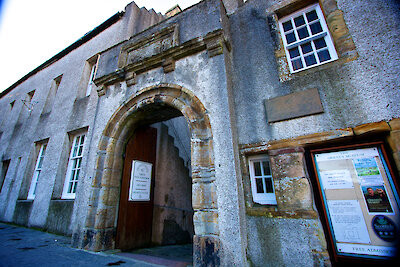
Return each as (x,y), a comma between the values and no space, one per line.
(366,167)
(368,171)
(376,199)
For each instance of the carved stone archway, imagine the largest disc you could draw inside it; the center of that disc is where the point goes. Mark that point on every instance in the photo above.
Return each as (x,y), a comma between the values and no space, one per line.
(99,231)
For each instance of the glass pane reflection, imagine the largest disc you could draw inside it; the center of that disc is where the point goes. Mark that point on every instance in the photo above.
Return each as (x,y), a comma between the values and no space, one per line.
(259,185)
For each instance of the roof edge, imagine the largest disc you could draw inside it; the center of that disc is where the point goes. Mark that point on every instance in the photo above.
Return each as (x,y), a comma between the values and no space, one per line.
(88,36)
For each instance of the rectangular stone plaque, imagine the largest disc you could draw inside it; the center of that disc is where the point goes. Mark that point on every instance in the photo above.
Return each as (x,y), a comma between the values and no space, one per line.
(151,49)
(136,51)
(294,105)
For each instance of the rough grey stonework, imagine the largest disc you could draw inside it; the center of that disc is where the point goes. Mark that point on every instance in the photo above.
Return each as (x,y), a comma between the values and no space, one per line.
(216,64)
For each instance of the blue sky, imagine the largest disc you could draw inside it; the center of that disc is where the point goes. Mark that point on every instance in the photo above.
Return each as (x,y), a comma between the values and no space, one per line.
(32,31)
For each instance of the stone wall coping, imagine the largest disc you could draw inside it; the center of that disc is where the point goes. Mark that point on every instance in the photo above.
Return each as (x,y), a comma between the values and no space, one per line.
(394,124)
(301,141)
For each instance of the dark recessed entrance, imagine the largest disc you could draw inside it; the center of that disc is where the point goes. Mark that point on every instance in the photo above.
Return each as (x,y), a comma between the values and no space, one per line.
(159,213)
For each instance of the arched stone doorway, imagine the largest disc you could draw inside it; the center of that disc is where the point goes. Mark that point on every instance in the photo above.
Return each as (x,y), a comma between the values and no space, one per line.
(99,231)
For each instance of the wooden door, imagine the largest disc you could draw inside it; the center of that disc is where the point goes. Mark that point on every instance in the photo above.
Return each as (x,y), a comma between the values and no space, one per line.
(135,217)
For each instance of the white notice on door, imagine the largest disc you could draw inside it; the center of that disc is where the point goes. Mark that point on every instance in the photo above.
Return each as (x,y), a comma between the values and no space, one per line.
(139,188)
(348,222)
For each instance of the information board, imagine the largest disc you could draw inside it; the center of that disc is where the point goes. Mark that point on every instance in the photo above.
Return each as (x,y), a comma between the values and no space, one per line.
(360,200)
(140,184)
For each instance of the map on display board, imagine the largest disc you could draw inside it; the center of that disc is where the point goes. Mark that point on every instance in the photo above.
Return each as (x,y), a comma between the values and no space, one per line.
(360,200)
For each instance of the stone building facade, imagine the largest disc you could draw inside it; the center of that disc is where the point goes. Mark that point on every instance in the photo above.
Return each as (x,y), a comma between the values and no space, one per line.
(227,93)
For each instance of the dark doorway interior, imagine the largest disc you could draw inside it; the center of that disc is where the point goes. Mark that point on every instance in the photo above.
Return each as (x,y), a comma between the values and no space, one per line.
(167,219)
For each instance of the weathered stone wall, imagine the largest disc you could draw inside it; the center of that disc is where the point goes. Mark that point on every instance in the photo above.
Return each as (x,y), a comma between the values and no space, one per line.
(58,219)
(359,98)
(216,70)
(352,93)
(289,232)
(286,242)
(22,212)
(294,190)
(70,111)
(198,69)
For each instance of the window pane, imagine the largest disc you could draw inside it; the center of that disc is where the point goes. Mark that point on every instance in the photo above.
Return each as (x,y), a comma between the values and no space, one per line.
(324,55)
(74,188)
(259,185)
(257,168)
(266,168)
(287,26)
(77,175)
(74,151)
(303,33)
(34,190)
(70,187)
(312,15)
(310,60)
(92,72)
(75,163)
(297,64)
(268,185)
(44,149)
(80,151)
(79,160)
(306,48)
(82,139)
(36,182)
(290,38)
(316,27)
(319,43)
(40,163)
(299,21)
(73,172)
(294,52)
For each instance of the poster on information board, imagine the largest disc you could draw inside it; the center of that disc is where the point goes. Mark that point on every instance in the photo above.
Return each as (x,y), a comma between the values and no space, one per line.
(140,183)
(360,200)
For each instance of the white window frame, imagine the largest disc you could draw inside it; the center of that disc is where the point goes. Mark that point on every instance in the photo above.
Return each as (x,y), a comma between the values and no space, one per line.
(325,34)
(93,70)
(261,198)
(38,170)
(74,167)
